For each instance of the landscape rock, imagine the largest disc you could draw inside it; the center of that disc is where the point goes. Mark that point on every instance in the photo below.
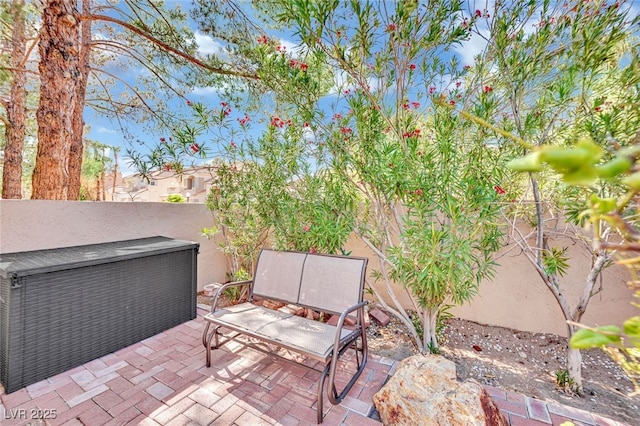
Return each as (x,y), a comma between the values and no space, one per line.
(297,310)
(424,391)
(367,319)
(272,304)
(382,318)
(348,321)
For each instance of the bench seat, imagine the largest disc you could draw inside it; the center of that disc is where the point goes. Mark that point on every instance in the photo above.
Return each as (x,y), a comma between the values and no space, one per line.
(312,338)
(325,283)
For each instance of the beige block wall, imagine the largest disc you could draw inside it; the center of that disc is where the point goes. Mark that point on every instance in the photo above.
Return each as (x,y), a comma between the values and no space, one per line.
(516,298)
(42,224)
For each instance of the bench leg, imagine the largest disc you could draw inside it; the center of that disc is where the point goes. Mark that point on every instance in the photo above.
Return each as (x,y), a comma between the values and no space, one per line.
(204,333)
(206,340)
(329,371)
(320,403)
(336,397)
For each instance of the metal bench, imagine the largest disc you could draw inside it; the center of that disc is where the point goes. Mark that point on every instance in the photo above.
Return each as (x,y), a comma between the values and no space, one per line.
(326,283)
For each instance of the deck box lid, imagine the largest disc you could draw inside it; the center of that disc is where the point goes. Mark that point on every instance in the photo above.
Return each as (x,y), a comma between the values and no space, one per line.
(26,263)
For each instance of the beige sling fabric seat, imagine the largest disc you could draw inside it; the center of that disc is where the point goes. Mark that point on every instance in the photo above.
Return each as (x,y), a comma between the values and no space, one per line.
(327,283)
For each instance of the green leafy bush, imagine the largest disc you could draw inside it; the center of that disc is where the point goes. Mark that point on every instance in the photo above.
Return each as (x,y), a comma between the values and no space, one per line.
(175,198)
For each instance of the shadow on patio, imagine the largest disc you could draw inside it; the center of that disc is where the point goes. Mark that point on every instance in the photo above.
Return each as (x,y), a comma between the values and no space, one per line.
(162,380)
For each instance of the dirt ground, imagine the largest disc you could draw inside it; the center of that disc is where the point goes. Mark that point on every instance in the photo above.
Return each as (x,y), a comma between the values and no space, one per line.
(521,362)
(517,361)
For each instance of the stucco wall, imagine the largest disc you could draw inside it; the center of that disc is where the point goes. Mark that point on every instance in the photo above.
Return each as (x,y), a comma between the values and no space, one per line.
(516,298)
(40,224)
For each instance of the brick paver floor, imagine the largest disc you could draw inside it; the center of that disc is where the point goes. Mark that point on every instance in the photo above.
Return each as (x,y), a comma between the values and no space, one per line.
(163,381)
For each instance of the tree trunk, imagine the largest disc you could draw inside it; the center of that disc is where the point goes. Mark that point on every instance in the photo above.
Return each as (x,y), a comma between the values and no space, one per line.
(103,195)
(15,129)
(429,321)
(115,173)
(574,356)
(574,365)
(77,145)
(59,62)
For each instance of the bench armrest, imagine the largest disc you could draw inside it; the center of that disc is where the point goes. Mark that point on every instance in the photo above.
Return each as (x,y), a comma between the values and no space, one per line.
(222,288)
(343,316)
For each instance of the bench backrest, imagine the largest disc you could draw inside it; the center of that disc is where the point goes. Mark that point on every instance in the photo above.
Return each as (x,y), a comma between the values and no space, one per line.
(325,282)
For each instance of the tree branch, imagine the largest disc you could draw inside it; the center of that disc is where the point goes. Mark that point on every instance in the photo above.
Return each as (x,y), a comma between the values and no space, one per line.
(23,70)
(129,52)
(135,92)
(116,114)
(167,47)
(29,50)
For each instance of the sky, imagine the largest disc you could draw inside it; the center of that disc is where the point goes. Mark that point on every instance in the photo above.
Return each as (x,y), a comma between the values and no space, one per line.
(107,132)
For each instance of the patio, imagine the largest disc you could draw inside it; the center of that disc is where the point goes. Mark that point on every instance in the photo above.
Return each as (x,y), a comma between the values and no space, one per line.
(162,380)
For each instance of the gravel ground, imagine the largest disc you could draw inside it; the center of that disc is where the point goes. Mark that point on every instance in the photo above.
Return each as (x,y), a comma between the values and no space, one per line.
(521,362)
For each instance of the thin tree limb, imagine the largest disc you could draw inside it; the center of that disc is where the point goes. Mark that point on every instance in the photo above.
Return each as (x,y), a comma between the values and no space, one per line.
(169,48)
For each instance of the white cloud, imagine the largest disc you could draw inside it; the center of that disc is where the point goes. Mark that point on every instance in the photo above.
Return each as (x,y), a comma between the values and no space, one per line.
(342,82)
(207,45)
(308,135)
(105,130)
(472,47)
(290,46)
(206,91)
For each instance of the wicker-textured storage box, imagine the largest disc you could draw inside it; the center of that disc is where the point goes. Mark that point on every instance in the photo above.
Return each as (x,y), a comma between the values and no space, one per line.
(63,307)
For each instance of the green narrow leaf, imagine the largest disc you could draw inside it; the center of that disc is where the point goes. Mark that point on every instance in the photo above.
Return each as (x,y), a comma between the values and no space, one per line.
(594,338)
(529,163)
(631,327)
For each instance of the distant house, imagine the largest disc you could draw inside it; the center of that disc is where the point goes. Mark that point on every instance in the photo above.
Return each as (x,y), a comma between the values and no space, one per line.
(193,184)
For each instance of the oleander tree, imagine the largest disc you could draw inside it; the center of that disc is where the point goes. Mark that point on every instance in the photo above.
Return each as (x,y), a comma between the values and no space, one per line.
(564,82)
(273,185)
(617,211)
(422,180)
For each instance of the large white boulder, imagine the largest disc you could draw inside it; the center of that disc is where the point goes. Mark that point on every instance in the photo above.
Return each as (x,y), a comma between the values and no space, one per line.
(424,391)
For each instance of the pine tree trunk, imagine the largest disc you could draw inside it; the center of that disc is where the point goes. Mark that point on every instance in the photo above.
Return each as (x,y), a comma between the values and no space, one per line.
(59,62)
(15,129)
(77,141)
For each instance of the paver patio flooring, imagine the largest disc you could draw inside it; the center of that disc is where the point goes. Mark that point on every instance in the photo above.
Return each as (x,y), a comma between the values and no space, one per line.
(163,380)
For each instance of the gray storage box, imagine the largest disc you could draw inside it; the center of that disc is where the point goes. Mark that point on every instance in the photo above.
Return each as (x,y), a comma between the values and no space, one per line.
(63,307)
